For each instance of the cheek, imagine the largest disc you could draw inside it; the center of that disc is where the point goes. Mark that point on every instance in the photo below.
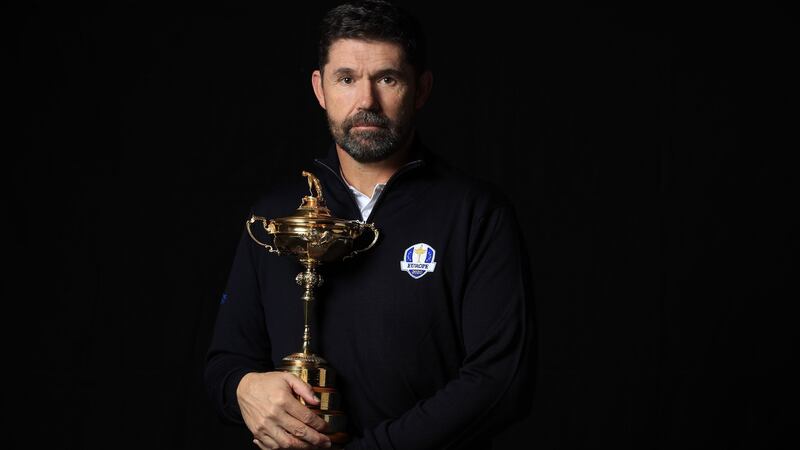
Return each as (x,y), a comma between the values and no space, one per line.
(335,111)
(399,106)
(406,108)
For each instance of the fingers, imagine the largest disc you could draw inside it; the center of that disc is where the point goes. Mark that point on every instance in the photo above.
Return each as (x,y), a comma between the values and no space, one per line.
(283,422)
(266,443)
(299,411)
(297,427)
(305,415)
(289,423)
(277,437)
(302,389)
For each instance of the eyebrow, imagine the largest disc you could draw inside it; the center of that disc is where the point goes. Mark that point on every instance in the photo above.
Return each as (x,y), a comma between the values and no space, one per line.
(380,74)
(392,72)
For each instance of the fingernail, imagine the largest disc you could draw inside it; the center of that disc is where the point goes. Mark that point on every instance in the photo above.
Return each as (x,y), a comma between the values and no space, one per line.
(316,397)
(327,444)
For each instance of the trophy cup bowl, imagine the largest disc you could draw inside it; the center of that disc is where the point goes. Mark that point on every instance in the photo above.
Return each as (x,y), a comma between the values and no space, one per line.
(313,236)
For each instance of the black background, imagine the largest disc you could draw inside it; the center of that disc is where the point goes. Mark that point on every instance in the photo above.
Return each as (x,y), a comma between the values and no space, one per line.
(642,148)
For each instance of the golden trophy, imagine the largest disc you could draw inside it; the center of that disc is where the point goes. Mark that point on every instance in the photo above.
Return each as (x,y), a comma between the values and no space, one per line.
(314,237)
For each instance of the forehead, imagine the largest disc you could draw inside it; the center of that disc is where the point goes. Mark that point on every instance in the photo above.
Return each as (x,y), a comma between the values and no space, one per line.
(355,53)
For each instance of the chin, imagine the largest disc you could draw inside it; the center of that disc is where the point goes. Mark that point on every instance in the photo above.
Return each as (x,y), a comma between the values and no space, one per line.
(370,156)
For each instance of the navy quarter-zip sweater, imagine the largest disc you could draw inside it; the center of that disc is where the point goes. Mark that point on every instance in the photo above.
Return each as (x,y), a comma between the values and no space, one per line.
(441,360)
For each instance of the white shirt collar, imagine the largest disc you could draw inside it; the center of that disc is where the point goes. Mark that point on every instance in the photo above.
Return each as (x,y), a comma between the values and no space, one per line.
(364,202)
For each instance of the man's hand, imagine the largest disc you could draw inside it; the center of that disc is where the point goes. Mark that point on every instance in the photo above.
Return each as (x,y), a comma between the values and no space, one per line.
(273,414)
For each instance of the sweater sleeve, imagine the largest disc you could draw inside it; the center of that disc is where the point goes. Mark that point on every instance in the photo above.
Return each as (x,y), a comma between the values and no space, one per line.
(240,343)
(494,385)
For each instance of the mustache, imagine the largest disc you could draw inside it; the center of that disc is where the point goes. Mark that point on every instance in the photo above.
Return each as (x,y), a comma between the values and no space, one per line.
(366,118)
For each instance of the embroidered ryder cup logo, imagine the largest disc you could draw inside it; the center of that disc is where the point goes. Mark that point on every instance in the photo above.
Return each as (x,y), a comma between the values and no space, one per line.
(418,260)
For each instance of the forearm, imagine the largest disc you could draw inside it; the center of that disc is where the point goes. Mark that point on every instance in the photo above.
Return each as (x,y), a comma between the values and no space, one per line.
(240,343)
(474,405)
(222,377)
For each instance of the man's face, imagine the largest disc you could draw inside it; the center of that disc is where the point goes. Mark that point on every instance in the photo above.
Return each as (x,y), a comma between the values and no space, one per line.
(369,93)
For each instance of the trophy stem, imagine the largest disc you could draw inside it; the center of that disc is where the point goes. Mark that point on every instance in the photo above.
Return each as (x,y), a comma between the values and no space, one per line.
(309,280)
(307,328)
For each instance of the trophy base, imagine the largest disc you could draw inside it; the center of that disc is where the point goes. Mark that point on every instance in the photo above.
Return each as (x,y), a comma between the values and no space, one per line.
(314,370)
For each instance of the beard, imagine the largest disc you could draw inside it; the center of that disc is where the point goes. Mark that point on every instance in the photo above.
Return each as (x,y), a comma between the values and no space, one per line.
(371,145)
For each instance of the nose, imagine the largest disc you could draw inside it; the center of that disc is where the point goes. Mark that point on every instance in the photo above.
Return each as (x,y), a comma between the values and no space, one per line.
(366,96)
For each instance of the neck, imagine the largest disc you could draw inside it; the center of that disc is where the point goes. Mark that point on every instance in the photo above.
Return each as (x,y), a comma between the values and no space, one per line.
(364,176)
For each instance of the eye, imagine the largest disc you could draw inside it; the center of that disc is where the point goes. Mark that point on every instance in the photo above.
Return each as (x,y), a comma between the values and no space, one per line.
(346,80)
(388,80)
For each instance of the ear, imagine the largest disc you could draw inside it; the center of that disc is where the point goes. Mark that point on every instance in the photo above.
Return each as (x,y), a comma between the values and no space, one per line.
(316,83)
(424,86)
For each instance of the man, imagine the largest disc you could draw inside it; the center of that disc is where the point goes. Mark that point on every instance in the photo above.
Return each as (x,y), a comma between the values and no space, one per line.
(434,358)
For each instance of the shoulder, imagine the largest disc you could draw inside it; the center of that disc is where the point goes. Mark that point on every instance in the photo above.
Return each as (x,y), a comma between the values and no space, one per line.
(480,195)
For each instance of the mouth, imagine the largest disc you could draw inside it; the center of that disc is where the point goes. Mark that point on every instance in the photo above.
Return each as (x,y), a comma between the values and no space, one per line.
(366,127)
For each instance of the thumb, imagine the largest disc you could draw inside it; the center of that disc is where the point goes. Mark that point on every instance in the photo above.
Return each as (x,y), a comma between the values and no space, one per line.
(301,388)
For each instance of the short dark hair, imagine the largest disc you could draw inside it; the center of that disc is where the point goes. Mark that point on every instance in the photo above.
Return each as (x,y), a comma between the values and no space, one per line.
(377,20)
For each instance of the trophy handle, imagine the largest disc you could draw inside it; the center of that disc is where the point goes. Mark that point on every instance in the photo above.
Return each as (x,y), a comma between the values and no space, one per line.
(371,244)
(264,221)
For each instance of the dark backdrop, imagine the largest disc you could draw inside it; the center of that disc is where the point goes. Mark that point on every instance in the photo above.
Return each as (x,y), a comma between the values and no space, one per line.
(660,246)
